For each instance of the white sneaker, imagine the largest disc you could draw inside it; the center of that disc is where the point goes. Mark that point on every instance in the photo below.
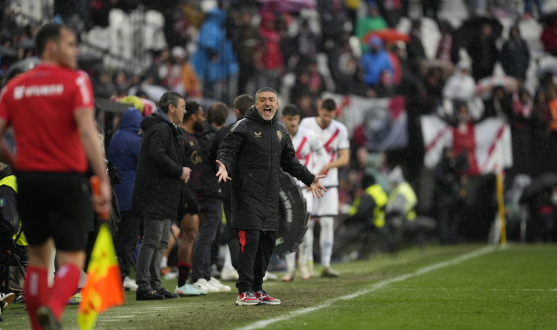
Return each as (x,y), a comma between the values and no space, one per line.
(269,277)
(229,274)
(304,272)
(6,299)
(216,283)
(203,285)
(129,284)
(289,277)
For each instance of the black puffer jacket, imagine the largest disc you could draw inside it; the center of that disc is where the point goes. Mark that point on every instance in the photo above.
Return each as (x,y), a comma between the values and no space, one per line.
(258,148)
(157,188)
(211,186)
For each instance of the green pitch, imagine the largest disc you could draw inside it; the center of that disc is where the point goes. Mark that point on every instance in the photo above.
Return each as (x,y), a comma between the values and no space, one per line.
(457,287)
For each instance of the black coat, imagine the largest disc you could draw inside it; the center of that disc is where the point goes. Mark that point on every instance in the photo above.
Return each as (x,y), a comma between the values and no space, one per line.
(257,148)
(157,188)
(515,58)
(211,186)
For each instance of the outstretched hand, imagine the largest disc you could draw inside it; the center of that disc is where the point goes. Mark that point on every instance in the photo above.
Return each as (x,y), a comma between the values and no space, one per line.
(316,187)
(222,173)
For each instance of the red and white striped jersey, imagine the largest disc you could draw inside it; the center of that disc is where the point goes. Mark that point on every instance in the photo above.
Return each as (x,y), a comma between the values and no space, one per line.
(307,148)
(333,139)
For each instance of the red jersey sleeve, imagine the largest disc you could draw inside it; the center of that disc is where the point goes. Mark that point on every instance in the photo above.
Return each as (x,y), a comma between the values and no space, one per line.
(4,107)
(82,93)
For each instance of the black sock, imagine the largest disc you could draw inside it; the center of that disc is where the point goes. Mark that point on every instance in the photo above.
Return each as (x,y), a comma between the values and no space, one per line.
(183,273)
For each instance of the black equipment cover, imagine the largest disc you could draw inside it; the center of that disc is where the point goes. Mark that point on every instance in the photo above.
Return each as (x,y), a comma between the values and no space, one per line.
(293,218)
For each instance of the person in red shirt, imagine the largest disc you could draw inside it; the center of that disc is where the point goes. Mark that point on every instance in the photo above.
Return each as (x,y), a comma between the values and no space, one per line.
(51,161)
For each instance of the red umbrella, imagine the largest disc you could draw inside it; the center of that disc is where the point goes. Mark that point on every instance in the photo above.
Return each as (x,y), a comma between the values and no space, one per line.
(388,36)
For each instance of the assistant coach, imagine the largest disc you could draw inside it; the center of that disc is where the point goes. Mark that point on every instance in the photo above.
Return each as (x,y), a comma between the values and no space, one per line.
(257,146)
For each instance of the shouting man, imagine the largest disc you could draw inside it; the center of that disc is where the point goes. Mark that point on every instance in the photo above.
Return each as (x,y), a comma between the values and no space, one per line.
(256,147)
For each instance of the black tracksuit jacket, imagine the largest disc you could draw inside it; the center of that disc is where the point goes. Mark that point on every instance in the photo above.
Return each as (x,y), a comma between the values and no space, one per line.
(258,149)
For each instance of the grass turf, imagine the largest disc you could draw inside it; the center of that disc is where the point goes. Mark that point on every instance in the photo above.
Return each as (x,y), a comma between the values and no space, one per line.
(512,288)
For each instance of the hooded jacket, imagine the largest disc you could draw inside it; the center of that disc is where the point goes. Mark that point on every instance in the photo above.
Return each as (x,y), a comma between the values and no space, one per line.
(157,189)
(374,64)
(123,153)
(255,149)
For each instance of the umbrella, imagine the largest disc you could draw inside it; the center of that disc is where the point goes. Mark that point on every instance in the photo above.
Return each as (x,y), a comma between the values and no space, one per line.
(546,181)
(20,67)
(447,68)
(549,18)
(27,44)
(88,61)
(153,91)
(107,105)
(486,85)
(389,36)
(286,5)
(551,68)
(470,30)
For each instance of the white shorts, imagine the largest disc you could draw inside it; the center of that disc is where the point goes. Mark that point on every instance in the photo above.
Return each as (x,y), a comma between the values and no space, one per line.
(309,199)
(326,205)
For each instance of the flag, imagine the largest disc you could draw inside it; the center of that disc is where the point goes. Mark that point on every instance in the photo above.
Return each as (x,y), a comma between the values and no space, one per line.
(377,124)
(103,288)
(487,144)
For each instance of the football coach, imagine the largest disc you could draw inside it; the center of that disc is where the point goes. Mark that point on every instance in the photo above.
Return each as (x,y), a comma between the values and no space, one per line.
(258,146)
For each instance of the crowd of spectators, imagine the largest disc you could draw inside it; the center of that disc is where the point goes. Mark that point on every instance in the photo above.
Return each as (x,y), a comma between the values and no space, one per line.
(342,47)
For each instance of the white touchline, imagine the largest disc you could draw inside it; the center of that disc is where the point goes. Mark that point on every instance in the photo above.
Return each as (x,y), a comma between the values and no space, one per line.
(262,324)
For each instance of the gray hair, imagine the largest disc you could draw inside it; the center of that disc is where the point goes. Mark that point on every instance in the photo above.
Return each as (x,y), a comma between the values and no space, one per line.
(265,89)
(169,98)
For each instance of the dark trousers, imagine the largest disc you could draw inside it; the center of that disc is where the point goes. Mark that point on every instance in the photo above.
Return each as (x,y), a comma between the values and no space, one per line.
(233,244)
(256,248)
(201,266)
(151,251)
(126,242)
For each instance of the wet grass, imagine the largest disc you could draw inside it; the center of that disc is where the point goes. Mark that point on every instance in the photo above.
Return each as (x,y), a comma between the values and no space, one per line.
(512,288)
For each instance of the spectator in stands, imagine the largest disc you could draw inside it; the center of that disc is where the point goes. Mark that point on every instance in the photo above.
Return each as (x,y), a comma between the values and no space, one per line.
(306,43)
(541,116)
(214,61)
(499,105)
(244,39)
(385,87)
(269,59)
(415,49)
(372,22)
(332,18)
(123,153)
(447,196)
(515,56)
(434,89)
(549,38)
(391,10)
(543,204)
(523,108)
(375,61)
(358,85)
(342,65)
(528,6)
(301,94)
(447,50)
(430,8)
(102,86)
(483,52)
(460,86)
(188,83)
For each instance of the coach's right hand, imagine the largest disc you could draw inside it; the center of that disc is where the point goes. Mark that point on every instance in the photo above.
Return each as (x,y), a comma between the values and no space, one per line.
(222,173)
(185,173)
(103,203)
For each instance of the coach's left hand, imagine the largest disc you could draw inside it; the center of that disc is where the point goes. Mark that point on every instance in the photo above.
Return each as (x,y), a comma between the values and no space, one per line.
(222,173)
(316,187)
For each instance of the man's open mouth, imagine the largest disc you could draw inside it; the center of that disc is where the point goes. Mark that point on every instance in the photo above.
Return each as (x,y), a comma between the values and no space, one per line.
(267,111)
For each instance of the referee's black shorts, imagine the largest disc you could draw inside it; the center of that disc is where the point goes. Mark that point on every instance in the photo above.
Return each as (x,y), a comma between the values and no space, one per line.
(54,205)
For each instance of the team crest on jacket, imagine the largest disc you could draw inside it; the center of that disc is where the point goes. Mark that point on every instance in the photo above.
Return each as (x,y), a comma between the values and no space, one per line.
(279,133)
(257,134)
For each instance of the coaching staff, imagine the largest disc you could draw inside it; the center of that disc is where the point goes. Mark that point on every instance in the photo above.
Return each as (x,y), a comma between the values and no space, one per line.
(157,191)
(51,162)
(257,146)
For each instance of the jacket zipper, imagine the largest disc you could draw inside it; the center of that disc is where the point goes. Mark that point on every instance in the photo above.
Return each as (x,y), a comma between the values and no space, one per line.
(269,175)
